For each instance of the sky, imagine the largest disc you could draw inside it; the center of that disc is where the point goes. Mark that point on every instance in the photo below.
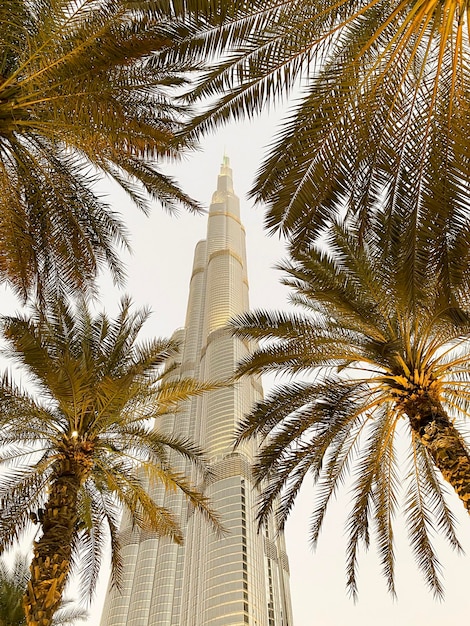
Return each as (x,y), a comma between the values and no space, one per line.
(158,276)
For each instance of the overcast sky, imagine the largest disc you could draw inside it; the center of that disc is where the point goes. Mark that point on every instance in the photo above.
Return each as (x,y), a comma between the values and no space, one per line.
(158,276)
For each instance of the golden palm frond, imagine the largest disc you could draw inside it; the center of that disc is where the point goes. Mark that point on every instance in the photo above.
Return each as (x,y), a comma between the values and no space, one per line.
(378,94)
(84,95)
(84,442)
(379,348)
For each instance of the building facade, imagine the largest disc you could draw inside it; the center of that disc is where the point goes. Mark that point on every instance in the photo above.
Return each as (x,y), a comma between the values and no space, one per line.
(243,577)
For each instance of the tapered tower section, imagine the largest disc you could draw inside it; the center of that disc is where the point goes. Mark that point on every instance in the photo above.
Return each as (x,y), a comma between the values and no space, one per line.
(241,578)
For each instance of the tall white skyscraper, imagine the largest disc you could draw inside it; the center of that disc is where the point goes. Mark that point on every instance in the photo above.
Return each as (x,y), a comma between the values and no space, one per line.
(242,578)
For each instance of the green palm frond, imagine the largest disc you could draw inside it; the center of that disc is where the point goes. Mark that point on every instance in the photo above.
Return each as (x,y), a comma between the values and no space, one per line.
(21,494)
(100,515)
(377,350)
(13,581)
(100,390)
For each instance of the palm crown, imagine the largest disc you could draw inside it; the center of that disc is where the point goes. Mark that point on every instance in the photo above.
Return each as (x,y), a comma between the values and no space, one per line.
(84,444)
(84,94)
(379,120)
(383,349)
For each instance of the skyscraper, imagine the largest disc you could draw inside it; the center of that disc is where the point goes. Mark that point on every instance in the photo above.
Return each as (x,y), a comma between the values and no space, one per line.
(241,578)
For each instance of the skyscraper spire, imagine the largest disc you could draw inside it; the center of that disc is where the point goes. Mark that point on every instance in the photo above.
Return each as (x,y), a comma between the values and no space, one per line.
(225,188)
(225,169)
(241,578)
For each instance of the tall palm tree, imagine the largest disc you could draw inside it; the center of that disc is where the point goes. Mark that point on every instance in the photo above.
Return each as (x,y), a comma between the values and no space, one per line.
(84,96)
(379,92)
(13,582)
(82,444)
(378,355)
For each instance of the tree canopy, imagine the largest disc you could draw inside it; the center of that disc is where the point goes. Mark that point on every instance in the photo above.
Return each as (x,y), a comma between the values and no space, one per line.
(86,93)
(379,93)
(378,352)
(82,444)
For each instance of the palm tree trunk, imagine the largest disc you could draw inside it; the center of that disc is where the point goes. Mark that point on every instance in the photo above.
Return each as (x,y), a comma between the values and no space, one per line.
(51,562)
(445,445)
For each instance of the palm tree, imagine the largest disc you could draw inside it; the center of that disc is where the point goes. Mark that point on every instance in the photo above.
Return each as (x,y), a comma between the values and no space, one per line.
(380,354)
(378,91)
(84,96)
(13,583)
(82,443)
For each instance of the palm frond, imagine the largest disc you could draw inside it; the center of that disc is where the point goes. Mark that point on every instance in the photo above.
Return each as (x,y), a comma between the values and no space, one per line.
(92,431)
(380,336)
(87,91)
(419,516)
(375,96)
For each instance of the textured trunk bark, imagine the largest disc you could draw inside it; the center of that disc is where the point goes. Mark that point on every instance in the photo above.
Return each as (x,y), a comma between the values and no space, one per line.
(447,448)
(51,562)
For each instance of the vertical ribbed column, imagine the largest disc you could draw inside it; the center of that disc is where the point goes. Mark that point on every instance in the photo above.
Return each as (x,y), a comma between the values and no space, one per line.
(153,593)
(169,564)
(116,606)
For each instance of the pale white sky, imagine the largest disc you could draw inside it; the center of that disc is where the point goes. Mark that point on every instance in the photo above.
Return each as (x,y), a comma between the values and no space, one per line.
(159,273)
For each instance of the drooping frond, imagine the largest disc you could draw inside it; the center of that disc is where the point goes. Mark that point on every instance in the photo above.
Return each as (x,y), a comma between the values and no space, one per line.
(90,442)
(87,92)
(377,122)
(380,338)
